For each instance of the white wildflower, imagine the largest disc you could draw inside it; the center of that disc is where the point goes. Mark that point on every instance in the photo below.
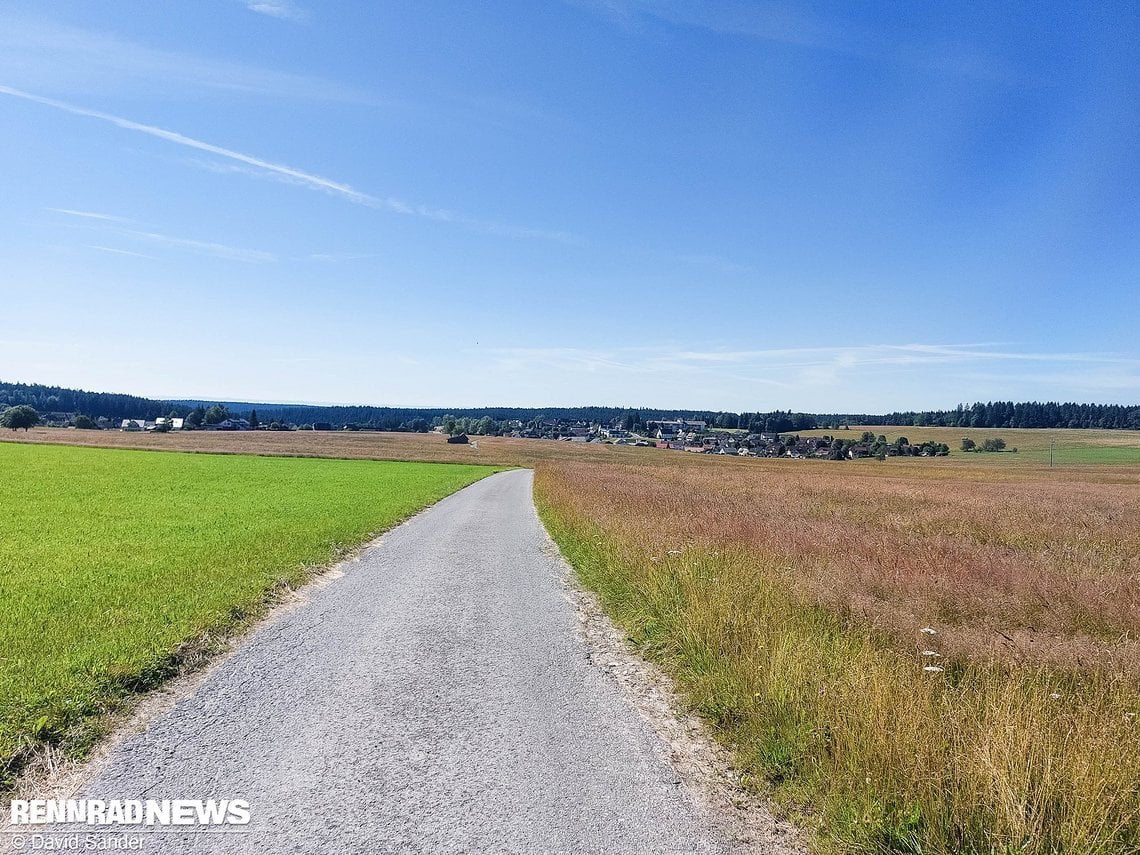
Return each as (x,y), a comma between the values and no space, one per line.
(929,631)
(933,669)
(931,653)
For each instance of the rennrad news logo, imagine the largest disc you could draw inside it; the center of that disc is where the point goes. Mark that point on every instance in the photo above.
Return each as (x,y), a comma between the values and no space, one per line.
(129,812)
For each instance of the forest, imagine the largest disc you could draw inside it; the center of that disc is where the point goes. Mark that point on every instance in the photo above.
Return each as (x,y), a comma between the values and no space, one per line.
(994,414)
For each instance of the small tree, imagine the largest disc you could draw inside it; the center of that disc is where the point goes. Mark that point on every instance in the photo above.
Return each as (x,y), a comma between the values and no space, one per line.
(968,444)
(216,414)
(253,422)
(85,423)
(995,444)
(22,416)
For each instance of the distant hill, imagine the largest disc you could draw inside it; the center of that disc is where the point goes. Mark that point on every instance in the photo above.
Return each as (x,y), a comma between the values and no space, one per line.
(999,414)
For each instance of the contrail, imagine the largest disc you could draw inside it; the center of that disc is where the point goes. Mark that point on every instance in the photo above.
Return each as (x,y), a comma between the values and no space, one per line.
(298,176)
(308,179)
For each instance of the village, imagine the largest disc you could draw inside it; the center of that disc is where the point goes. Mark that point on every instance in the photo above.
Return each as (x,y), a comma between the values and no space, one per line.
(685,435)
(697,437)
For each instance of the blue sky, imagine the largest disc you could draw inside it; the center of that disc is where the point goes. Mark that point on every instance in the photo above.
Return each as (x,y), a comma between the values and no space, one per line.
(824,207)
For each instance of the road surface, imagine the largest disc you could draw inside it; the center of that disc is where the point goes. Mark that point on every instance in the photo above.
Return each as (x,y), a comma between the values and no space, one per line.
(436,698)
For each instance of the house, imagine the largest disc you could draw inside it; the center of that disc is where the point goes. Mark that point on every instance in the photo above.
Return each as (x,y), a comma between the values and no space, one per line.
(234,424)
(135,424)
(458,439)
(175,424)
(677,426)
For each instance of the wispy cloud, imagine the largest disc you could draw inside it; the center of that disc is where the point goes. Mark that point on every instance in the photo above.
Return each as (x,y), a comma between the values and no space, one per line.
(337,257)
(89,215)
(259,169)
(825,368)
(115,251)
(299,177)
(112,226)
(200,247)
(798,25)
(43,54)
(276,9)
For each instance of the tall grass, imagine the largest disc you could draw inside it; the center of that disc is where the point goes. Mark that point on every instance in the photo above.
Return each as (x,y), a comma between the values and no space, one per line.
(754,592)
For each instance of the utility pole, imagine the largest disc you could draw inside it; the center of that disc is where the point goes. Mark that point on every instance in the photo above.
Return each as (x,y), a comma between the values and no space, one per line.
(1052,440)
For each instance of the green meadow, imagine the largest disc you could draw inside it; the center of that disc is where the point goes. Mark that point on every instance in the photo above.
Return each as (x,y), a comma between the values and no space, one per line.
(115,565)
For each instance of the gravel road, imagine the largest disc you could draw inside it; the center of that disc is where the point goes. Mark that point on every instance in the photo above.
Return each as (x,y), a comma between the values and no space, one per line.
(435,698)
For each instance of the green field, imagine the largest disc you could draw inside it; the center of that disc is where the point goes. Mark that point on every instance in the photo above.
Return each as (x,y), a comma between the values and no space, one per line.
(1070,447)
(113,564)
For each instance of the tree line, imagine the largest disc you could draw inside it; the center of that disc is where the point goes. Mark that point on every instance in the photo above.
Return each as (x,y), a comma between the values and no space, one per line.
(993,414)
(1007,414)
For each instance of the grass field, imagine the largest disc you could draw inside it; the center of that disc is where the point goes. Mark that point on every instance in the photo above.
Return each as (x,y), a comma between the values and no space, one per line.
(789,599)
(1069,447)
(113,564)
(1072,448)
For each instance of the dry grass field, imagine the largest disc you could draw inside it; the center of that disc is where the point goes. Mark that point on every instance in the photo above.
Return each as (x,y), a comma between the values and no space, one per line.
(425,448)
(916,655)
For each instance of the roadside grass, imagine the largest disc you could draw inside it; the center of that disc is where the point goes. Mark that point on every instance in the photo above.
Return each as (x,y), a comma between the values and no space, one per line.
(788,600)
(116,566)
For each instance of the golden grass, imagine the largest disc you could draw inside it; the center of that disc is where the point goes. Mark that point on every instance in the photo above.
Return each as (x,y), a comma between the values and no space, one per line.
(788,599)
